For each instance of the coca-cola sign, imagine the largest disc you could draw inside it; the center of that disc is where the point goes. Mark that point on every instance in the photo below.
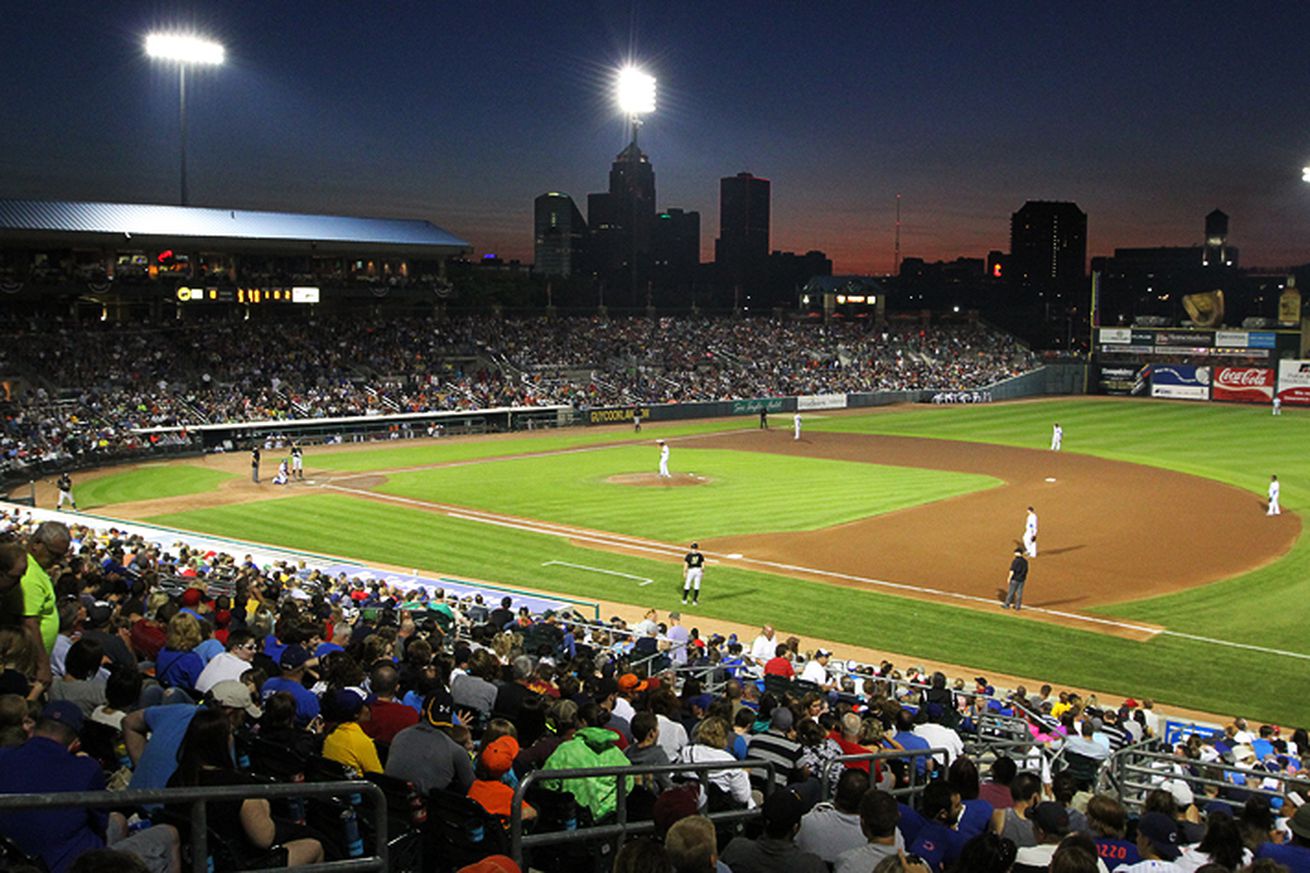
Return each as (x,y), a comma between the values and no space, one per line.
(1243,384)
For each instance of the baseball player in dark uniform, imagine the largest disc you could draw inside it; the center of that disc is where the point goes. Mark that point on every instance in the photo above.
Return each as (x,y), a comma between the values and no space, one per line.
(297,462)
(691,577)
(65,486)
(254,465)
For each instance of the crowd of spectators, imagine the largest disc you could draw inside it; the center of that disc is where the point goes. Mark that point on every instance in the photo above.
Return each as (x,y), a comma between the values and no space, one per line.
(128,663)
(89,387)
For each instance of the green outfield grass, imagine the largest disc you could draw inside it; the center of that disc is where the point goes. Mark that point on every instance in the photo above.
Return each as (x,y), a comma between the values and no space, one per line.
(147,483)
(442,451)
(747,492)
(1179,671)
(1235,444)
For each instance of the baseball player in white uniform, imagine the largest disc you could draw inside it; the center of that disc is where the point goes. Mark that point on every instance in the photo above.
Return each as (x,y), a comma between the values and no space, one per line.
(691,577)
(1030,533)
(664,460)
(282,474)
(1273,496)
(1057,437)
(1278,405)
(796,426)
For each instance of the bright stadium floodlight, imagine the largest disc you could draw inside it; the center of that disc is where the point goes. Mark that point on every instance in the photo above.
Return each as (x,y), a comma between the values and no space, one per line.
(1305,174)
(635,91)
(185,50)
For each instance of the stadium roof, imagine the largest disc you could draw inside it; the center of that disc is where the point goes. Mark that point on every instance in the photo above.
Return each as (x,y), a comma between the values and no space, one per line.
(72,222)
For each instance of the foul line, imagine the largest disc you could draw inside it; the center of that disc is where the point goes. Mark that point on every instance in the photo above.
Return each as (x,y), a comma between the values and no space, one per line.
(642,579)
(641,545)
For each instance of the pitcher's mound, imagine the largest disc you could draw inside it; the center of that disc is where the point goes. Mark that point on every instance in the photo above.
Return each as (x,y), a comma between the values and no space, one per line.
(677,480)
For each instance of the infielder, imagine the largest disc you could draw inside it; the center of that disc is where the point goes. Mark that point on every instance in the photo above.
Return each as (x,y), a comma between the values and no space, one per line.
(636,422)
(796,426)
(1030,533)
(65,486)
(1273,497)
(1057,437)
(691,577)
(664,460)
(297,462)
(254,465)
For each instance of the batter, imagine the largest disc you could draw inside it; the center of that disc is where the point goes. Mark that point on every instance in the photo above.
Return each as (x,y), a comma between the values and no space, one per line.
(691,577)
(1030,533)
(297,462)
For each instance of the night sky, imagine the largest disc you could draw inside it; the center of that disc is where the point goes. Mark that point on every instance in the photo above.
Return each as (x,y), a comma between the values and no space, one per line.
(1148,115)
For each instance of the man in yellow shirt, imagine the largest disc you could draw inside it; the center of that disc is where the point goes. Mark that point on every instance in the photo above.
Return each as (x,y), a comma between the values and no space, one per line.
(348,744)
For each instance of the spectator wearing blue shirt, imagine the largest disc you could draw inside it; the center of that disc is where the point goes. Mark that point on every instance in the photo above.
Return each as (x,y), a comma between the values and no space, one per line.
(937,842)
(294,663)
(178,665)
(910,741)
(1295,856)
(46,763)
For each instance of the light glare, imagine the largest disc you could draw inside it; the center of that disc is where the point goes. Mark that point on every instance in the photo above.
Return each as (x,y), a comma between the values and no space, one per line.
(184,49)
(1305,174)
(636,91)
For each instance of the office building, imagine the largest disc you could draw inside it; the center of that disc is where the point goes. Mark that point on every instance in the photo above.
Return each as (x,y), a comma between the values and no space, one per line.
(559,234)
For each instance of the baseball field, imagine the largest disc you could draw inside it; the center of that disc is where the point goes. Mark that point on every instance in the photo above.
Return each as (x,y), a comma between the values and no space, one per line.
(1158,573)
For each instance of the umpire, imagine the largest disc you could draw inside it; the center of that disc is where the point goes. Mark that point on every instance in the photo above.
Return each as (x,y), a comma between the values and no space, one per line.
(1018,576)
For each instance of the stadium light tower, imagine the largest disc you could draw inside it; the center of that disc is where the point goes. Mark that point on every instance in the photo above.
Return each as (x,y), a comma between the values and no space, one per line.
(185,51)
(1305,174)
(635,92)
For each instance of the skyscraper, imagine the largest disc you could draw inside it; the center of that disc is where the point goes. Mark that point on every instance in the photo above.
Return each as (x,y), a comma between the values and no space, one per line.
(677,247)
(1218,253)
(1048,246)
(622,226)
(559,232)
(742,249)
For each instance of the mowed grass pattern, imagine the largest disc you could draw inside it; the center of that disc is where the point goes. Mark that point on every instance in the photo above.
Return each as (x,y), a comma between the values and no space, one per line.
(747,492)
(147,483)
(1238,444)
(1178,671)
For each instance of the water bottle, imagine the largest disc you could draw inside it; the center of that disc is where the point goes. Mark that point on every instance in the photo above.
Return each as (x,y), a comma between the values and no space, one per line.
(296,806)
(350,825)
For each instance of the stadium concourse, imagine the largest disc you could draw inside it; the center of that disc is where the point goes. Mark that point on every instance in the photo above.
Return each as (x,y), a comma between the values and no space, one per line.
(155,659)
(85,388)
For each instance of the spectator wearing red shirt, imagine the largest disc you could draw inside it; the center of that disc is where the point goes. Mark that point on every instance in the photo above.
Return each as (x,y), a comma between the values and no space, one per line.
(389,716)
(847,735)
(779,664)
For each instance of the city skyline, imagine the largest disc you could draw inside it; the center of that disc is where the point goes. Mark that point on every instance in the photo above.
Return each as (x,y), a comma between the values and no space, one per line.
(465,117)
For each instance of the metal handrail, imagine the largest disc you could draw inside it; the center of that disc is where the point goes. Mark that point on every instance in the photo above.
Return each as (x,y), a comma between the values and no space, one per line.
(621,827)
(198,796)
(1130,791)
(908,755)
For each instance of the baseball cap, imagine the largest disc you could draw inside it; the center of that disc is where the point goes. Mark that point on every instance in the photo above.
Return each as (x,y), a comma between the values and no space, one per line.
(439,708)
(605,686)
(1299,823)
(98,614)
(675,804)
(1052,818)
(347,703)
(782,719)
(702,701)
(235,694)
(1162,832)
(191,597)
(695,545)
(676,614)
(822,653)
(492,864)
(784,808)
(293,657)
(65,712)
(630,682)
(1180,790)
(499,755)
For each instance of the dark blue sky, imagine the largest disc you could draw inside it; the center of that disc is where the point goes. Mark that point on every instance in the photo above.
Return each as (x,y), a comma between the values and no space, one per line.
(1147,115)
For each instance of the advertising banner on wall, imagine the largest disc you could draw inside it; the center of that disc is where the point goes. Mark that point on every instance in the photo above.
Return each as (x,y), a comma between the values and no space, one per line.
(1243,384)
(1180,381)
(821,401)
(1294,382)
(1122,379)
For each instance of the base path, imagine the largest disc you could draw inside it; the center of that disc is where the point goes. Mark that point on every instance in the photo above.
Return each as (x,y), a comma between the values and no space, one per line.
(1107,530)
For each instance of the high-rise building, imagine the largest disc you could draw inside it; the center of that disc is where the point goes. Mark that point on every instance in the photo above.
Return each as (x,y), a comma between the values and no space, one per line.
(1218,253)
(1048,246)
(559,233)
(622,226)
(676,247)
(742,249)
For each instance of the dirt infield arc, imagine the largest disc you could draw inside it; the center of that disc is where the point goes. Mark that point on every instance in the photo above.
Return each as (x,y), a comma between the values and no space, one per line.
(1108,530)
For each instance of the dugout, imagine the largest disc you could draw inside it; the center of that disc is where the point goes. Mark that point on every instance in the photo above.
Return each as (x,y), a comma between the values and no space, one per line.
(132,261)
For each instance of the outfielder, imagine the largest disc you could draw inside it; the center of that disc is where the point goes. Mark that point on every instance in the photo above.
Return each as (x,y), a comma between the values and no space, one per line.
(1278,405)
(1057,437)
(796,426)
(65,486)
(664,460)
(1273,497)
(1030,533)
(297,462)
(691,577)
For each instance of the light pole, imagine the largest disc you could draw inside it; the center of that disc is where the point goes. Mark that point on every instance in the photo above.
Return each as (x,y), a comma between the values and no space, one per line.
(635,93)
(184,51)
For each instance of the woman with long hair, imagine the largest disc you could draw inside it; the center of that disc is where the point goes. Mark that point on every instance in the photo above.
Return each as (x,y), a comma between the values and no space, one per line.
(177,665)
(205,759)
